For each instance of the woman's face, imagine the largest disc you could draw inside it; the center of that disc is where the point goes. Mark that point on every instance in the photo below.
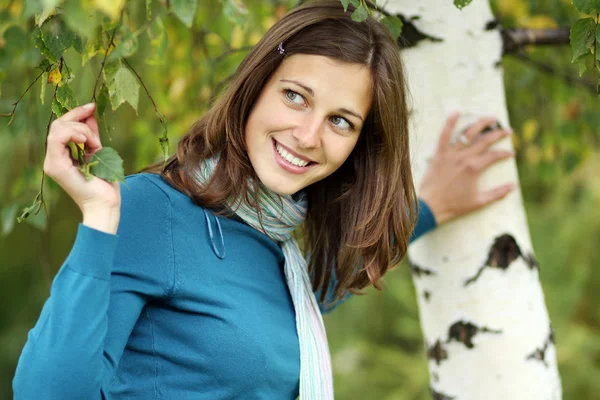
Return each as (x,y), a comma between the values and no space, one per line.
(307,121)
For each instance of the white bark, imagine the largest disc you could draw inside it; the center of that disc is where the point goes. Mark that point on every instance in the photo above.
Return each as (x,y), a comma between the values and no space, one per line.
(512,354)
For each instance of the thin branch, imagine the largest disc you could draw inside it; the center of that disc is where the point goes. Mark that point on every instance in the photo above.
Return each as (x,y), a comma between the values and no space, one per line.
(515,39)
(15,104)
(142,83)
(221,56)
(111,43)
(552,71)
(164,140)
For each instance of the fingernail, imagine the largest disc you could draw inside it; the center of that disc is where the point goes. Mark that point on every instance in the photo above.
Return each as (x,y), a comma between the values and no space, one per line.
(89,106)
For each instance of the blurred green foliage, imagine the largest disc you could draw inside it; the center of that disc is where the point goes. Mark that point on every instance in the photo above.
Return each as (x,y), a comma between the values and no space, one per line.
(185,55)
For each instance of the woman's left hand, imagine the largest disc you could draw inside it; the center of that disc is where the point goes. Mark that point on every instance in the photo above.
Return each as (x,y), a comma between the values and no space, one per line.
(449,186)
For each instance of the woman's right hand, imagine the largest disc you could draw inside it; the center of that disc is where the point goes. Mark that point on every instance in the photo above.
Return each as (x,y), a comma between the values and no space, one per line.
(98,200)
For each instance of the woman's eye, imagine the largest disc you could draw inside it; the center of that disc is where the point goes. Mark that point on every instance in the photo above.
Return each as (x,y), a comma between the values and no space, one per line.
(293,97)
(341,123)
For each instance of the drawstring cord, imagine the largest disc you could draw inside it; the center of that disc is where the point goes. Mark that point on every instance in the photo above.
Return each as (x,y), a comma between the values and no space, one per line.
(219,254)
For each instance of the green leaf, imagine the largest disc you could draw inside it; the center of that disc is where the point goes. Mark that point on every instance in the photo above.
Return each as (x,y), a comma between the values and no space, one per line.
(582,66)
(39,43)
(158,41)
(126,44)
(185,10)
(164,139)
(45,65)
(57,37)
(26,212)
(46,12)
(81,17)
(587,6)
(460,4)
(9,213)
(58,108)
(92,47)
(360,14)
(66,97)
(78,44)
(108,165)
(43,88)
(102,100)
(394,24)
(345,3)
(149,10)
(235,11)
(582,37)
(122,85)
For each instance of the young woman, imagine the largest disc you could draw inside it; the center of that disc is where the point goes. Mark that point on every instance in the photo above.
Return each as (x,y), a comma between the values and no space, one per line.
(188,283)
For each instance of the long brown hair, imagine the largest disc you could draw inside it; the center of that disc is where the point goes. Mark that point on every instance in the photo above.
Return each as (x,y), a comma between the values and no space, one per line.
(359,218)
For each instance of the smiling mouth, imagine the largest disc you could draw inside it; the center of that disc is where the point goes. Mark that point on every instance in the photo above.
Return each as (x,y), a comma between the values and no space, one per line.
(290,158)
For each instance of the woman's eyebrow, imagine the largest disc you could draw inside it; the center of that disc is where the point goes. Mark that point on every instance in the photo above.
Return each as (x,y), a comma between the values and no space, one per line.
(346,111)
(312,93)
(309,90)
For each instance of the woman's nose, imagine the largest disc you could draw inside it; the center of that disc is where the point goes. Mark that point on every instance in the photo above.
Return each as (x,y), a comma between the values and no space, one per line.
(308,133)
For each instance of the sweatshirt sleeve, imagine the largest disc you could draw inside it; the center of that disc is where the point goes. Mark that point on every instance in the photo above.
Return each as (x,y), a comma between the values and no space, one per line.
(96,298)
(425,223)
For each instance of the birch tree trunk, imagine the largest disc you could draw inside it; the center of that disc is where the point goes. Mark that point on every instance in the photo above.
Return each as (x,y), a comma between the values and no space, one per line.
(482,311)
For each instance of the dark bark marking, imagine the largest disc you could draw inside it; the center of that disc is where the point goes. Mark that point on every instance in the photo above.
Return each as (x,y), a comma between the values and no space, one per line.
(418,271)
(426,295)
(539,354)
(411,35)
(531,261)
(491,25)
(437,352)
(440,396)
(503,252)
(464,332)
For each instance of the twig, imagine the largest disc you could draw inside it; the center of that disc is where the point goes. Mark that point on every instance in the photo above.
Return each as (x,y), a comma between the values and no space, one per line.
(141,82)
(111,43)
(15,104)
(515,39)
(552,71)
(41,193)
(164,140)
(221,56)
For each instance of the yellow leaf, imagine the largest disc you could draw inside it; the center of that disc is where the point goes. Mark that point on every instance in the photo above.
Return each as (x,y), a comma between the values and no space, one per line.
(54,77)
(112,8)
(269,22)
(538,22)
(237,37)
(532,154)
(254,38)
(213,39)
(530,130)
(549,153)
(516,9)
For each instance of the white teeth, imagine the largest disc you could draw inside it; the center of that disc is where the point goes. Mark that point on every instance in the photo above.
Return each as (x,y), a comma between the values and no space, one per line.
(290,158)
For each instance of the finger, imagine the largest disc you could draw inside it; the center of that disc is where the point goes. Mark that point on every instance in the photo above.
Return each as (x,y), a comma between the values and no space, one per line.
(447,130)
(93,124)
(93,142)
(57,150)
(79,113)
(489,158)
(493,195)
(483,143)
(474,130)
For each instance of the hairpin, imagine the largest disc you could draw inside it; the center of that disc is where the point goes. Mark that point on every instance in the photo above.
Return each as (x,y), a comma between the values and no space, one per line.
(280,48)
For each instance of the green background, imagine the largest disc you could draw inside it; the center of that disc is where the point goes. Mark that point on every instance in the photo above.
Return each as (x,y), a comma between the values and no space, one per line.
(376,342)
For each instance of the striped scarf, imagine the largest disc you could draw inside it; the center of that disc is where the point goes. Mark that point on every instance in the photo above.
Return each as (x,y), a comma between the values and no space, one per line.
(280,215)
